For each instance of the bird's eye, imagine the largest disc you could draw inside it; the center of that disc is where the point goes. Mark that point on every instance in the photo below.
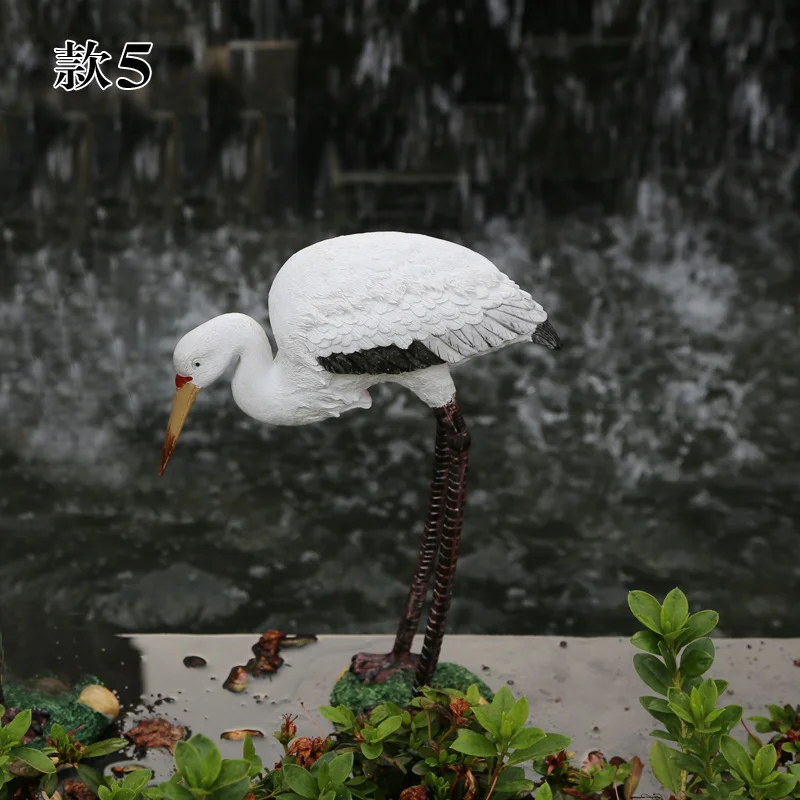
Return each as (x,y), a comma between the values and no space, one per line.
(197,363)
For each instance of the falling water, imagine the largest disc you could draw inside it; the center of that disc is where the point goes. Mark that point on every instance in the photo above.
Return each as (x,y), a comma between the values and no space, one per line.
(656,449)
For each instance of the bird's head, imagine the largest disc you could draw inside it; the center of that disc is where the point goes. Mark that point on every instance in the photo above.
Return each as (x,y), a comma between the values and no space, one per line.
(200,357)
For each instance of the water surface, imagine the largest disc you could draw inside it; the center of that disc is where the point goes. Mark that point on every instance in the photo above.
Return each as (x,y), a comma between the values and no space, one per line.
(659,447)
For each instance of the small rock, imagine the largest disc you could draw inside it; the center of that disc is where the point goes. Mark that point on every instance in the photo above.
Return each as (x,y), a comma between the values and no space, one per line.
(237,680)
(50,686)
(101,700)
(240,735)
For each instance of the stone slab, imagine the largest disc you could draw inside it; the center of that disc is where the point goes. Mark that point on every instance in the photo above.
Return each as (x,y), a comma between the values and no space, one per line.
(585,688)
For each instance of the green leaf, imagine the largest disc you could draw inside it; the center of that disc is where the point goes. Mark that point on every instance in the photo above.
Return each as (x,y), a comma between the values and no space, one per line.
(17,728)
(518,715)
(248,749)
(90,776)
(503,701)
(664,767)
(378,714)
(688,762)
(231,791)
(544,792)
(388,727)
(550,743)
(721,686)
(333,715)
(647,641)
(697,658)
(189,764)
(708,696)
(322,773)
(105,747)
(652,672)
(509,775)
(782,786)
(300,780)
(602,779)
(515,787)
(474,744)
(340,768)
(204,746)
(525,738)
(665,651)
(473,694)
(659,709)
(33,758)
(370,734)
(646,609)
(232,770)
(136,781)
(730,717)
(763,724)
(175,791)
(697,626)
(764,762)
(680,704)
(487,720)
(674,611)
(737,757)
(57,732)
(211,766)
(49,784)
(371,750)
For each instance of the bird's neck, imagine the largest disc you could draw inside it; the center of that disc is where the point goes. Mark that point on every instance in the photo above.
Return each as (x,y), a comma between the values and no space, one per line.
(261,386)
(253,374)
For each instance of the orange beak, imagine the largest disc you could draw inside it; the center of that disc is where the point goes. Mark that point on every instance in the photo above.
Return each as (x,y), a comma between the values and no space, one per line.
(182,403)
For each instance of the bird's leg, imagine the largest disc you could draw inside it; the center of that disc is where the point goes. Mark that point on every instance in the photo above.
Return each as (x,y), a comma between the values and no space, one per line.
(458,440)
(373,668)
(427,551)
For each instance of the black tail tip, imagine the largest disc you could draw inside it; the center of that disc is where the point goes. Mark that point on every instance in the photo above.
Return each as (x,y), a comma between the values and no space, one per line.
(546,336)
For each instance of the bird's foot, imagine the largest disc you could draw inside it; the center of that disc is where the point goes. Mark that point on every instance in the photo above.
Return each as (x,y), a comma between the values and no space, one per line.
(374,668)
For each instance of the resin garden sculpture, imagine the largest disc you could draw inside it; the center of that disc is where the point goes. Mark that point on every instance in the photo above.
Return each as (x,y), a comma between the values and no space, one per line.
(348,313)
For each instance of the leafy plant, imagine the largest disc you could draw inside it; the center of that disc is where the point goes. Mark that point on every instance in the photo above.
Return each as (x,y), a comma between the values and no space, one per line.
(784,723)
(446,744)
(450,745)
(68,750)
(202,772)
(707,761)
(107,788)
(15,759)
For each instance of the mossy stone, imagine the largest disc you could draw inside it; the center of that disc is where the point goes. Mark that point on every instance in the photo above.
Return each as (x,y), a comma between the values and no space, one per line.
(63,708)
(349,691)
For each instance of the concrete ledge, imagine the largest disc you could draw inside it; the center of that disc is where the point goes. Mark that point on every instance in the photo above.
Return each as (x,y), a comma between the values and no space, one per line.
(584,688)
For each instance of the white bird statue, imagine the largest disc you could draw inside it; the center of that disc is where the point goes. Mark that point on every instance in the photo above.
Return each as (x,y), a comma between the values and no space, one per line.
(348,313)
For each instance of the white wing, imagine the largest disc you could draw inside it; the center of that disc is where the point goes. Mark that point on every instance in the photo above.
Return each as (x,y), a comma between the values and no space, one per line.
(354,293)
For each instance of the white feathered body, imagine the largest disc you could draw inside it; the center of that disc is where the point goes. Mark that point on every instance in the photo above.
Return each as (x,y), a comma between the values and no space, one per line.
(357,292)
(375,289)
(354,293)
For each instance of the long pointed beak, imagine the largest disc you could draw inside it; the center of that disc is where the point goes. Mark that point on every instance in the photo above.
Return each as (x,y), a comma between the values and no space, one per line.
(182,403)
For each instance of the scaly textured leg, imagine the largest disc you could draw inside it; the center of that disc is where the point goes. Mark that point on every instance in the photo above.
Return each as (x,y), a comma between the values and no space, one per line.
(458,440)
(374,668)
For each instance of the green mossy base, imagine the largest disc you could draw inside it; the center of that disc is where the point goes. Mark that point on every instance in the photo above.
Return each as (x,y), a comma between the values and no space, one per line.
(349,691)
(63,709)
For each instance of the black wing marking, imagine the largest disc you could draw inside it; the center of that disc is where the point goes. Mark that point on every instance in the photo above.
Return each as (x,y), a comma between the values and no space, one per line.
(384,360)
(546,336)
